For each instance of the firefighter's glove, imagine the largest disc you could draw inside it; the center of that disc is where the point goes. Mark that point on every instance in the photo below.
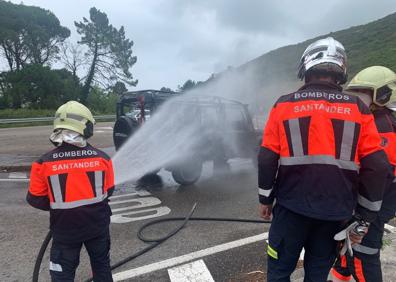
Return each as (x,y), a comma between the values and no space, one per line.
(353,234)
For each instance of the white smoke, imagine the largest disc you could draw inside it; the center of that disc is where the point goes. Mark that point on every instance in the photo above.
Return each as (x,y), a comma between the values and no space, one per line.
(176,131)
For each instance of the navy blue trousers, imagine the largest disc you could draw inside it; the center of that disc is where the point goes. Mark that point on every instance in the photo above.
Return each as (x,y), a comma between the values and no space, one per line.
(289,234)
(65,257)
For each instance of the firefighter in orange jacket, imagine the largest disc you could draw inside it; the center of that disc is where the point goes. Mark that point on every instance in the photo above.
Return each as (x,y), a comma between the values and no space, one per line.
(319,156)
(376,86)
(73,182)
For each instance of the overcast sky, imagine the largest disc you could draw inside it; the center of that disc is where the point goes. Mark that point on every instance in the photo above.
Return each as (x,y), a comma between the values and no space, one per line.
(176,40)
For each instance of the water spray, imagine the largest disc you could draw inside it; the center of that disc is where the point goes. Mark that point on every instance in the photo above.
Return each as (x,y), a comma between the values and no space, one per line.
(167,137)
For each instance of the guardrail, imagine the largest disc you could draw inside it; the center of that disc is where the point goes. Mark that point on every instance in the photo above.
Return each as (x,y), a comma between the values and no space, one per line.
(41,119)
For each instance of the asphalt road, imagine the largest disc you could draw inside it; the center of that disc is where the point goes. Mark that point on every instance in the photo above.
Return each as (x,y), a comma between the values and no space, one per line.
(23,228)
(33,140)
(202,251)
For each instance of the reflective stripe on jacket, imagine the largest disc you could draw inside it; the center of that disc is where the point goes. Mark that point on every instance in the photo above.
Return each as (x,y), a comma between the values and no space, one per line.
(74,184)
(386,125)
(316,143)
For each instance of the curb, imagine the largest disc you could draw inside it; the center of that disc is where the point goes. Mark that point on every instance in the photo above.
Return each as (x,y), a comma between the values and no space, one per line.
(15,168)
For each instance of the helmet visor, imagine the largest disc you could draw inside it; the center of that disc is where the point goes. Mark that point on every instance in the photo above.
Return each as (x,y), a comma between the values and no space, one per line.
(384,93)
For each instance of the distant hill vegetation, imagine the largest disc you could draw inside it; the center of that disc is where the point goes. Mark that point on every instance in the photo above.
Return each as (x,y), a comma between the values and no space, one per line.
(274,73)
(366,45)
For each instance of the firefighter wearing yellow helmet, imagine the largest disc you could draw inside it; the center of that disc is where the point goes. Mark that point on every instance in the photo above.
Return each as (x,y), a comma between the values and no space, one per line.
(76,117)
(73,181)
(376,86)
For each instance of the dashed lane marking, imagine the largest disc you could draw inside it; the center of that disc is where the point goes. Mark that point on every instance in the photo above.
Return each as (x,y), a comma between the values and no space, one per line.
(193,271)
(120,276)
(104,127)
(17,175)
(14,180)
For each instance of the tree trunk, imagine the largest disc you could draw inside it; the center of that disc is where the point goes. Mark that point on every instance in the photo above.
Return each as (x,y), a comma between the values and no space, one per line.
(87,85)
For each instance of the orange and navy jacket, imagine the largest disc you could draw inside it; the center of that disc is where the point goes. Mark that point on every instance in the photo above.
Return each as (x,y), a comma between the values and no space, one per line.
(321,155)
(386,126)
(74,184)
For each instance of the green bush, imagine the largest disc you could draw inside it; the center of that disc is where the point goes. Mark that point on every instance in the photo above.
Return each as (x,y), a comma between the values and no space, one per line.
(100,102)
(25,113)
(37,91)
(37,87)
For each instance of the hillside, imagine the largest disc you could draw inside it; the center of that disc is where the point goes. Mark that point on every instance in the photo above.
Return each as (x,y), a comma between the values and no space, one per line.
(370,44)
(260,81)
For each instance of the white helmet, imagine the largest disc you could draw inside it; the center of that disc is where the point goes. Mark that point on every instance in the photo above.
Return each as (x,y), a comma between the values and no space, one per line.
(324,56)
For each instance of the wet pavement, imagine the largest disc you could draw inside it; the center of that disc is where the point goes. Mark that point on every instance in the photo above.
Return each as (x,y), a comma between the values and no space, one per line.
(202,251)
(227,251)
(24,228)
(21,146)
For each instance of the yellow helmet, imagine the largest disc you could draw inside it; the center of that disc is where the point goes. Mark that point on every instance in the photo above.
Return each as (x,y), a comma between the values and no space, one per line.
(381,80)
(75,116)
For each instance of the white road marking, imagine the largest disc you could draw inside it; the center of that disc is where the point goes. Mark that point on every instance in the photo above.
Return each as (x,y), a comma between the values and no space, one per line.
(141,203)
(137,193)
(145,201)
(190,272)
(154,212)
(188,257)
(104,127)
(134,211)
(302,254)
(14,180)
(17,175)
(390,228)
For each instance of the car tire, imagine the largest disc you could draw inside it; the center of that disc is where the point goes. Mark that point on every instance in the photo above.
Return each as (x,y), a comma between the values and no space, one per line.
(188,173)
(124,127)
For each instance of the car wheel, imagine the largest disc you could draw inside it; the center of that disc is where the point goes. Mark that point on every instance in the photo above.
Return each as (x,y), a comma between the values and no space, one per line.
(123,128)
(188,173)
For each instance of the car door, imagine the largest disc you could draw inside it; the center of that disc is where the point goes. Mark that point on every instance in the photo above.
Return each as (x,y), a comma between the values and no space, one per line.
(239,137)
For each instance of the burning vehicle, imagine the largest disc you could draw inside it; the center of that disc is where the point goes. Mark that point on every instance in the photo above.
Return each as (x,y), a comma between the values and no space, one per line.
(224,126)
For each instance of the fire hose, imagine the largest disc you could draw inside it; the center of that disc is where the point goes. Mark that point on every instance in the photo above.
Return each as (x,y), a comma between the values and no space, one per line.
(153,242)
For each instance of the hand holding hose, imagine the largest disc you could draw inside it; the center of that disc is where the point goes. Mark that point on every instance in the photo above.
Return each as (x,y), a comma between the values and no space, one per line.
(351,235)
(358,232)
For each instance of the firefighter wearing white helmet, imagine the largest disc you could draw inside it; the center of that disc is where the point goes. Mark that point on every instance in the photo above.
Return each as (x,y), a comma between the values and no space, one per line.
(314,141)
(73,181)
(376,86)
(324,57)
